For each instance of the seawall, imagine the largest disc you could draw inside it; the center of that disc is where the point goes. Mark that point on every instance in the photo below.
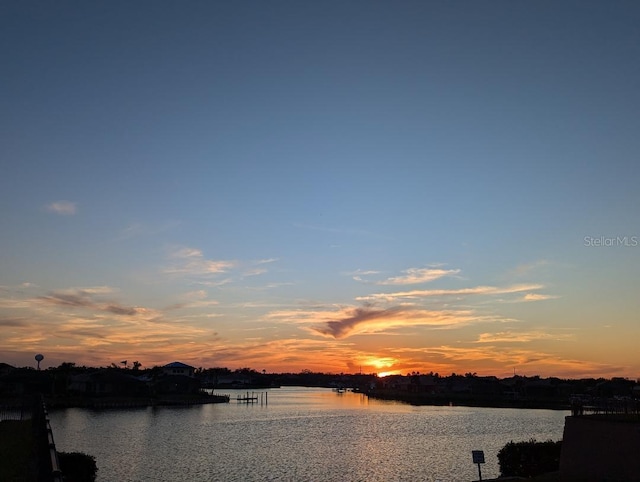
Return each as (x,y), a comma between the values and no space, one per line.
(600,448)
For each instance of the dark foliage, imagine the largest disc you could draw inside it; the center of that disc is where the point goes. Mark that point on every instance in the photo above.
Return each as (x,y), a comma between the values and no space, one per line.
(78,467)
(528,459)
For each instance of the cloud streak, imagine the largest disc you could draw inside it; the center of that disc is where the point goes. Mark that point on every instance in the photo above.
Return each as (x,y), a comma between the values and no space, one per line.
(85,298)
(80,323)
(349,321)
(63,208)
(418,275)
(520,337)
(498,360)
(538,297)
(191,261)
(475,291)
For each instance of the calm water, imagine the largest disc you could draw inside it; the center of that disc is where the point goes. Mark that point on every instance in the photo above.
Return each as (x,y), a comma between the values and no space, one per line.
(303,434)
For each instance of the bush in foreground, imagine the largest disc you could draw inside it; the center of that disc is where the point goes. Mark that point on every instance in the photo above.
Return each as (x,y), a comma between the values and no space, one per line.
(528,459)
(78,467)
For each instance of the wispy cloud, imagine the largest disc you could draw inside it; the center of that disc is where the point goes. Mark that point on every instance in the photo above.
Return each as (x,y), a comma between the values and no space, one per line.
(526,268)
(521,337)
(194,299)
(64,208)
(364,320)
(538,297)
(348,321)
(267,261)
(499,360)
(13,322)
(314,354)
(418,275)
(84,323)
(362,272)
(85,298)
(195,295)
(474,291)
(358,274)
(135,230)
(191,261)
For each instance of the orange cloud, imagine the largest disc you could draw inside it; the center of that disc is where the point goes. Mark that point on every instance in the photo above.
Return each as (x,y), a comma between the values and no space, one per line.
(348,321)
(91,326)
(501,361)
(538,297)
(477,290)
(522,337)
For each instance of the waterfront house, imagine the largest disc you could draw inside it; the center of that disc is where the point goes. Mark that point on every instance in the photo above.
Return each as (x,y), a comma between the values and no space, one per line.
(107,382)
(178,368)
(234,380)
(177,384)
(177,378)
(25,381)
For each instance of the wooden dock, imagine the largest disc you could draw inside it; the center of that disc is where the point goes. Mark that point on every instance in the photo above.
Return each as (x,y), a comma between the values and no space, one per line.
(253,398)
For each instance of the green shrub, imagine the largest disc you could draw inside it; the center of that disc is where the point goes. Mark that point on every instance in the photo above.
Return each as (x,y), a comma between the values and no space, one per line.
(528,459)
(77,467)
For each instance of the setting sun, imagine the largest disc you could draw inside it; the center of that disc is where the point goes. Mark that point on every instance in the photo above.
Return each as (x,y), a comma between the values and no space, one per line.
(386,374)
(382,363)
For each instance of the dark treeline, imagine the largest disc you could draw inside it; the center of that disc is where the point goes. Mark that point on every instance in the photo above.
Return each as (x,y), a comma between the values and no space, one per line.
(133,380)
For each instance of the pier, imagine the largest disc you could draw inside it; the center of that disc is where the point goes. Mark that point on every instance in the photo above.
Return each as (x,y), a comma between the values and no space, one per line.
(253,398)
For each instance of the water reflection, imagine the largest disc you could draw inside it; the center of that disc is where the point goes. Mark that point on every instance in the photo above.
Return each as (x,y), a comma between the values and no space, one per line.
(300,434)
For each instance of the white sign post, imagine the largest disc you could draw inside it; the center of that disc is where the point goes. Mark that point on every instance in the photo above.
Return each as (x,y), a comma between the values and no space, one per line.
(478,458)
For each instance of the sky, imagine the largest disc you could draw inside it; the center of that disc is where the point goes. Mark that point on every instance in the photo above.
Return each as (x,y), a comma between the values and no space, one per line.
(375,186)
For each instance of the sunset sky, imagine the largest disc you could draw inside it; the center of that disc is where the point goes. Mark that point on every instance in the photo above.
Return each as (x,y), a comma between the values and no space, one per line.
(385,186)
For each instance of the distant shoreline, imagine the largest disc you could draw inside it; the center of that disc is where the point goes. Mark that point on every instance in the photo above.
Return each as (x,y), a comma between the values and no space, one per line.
(132,402)
(419,399)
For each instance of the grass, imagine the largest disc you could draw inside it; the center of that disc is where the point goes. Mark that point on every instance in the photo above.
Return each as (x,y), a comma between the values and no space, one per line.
(16,443)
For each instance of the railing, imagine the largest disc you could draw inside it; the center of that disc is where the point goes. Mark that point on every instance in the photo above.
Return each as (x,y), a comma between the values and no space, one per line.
(627,407)
(44,453)
(56,473)
(19,409)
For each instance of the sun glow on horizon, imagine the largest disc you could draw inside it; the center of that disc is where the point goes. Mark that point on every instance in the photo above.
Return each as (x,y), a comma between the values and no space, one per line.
(389,373)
